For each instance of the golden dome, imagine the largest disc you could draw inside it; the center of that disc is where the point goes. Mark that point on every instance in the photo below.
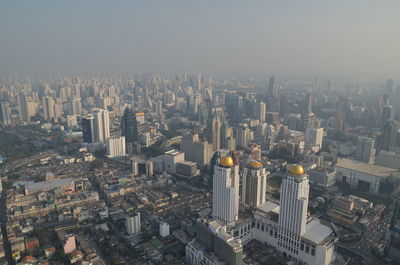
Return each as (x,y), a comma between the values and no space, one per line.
(254,163)
(296,170)
(226,162)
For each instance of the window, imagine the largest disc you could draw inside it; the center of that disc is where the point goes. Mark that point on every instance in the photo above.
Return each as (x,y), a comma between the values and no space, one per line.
(302,246)
(313,250)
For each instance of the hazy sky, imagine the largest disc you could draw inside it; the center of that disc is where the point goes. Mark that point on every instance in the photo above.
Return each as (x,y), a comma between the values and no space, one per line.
(338,37)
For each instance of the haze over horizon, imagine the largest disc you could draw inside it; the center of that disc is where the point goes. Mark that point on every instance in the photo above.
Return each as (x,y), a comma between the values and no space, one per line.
(285,37)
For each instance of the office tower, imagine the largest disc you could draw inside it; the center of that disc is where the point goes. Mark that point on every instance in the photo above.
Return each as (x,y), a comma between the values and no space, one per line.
(101,125)
(365,149)
(388,113)
(283,105)
(48,108)
(251,152)
(159,108)
(216,134)
(260,111)
(134,167)
(390,133)
(149,168)
(389,86)
(234,106)
(5,113)
(133,225)
(242,136)
(227,140)
(213,246)
(129,126)
(254,184)
(225,205)
(115,146)
(313,138)
(171,158)
(75,106)
(293,206)
(23,108)
(272,89)
(195,150)
(88,129)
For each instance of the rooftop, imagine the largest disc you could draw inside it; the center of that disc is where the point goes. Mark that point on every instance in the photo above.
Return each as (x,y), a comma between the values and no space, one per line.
(366,168)
(317,232)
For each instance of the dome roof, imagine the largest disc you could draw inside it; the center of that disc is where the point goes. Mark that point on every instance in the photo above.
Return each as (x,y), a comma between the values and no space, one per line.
(226,162)
(296,170)
(254,163)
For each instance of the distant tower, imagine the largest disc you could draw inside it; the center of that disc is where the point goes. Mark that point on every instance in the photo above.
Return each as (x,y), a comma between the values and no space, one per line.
(254,184)
(5,113)
(216,134)
(272,90)
(390,131)
(293,206)
(88,129)
(101,125)
(365,149)
(23,108)
(129,126)
(225,205)
(48,108)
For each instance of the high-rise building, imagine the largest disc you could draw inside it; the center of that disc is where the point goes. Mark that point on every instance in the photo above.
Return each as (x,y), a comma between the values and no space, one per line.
(129,126)
(88,129)
(23,108)
(242,136)
(254,184)
(216,134)
(260,111)
(101,125)
(48,108)
(272,89)
(293,205)
(390,133)
(116,146)
(365,149)
(133,225)
(195,150)
(313,138)
(5,113)
(225,205)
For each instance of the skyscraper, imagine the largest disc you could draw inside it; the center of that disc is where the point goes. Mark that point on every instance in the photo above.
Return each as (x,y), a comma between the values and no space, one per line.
(196,150)
(101,125)
(365,149)
(272,90)
(390,133)
(23,108)
(48,108)
(242,136)
(5,114)
(216,134)
(254,184)
(225,205)
(313,138)
(129,126)
(260,111)
(293,207)
(88,129)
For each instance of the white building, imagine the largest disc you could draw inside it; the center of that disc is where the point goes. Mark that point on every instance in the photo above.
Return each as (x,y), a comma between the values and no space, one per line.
(133,225)
(356,172)
(116,146)
(313,138)
(225,205)
(164,229)
(254,184)
(173,157)
(101,125)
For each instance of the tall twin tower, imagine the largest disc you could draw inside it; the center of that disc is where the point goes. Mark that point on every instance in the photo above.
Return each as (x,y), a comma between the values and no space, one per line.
(226,189)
